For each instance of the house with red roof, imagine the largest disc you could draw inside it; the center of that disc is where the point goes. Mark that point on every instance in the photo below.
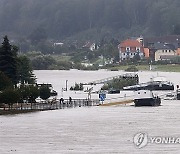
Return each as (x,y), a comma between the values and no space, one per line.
(130,48)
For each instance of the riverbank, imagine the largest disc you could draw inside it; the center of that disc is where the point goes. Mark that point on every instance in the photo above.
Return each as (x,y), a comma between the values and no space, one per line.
(162,68)
(13,112)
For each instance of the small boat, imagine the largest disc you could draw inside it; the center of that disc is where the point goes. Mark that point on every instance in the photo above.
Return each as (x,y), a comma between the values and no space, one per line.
(146,98)
(170,96)
(157,83)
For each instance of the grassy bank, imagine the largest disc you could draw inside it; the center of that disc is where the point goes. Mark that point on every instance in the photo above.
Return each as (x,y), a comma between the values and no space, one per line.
(163,68)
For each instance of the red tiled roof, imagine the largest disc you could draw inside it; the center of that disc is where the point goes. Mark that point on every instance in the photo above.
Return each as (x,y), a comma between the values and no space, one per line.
(130,43)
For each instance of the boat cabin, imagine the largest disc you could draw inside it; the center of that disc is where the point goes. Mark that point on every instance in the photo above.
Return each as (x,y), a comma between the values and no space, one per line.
(146,98)
(142,94)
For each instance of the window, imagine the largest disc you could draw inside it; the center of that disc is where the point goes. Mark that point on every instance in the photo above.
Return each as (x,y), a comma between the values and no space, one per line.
(127,48)
(137,49)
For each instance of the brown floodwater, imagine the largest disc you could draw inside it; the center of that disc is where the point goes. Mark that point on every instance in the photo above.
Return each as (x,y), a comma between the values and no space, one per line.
(91,130)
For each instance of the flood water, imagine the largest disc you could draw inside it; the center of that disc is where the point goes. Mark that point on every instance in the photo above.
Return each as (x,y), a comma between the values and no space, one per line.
(92,130)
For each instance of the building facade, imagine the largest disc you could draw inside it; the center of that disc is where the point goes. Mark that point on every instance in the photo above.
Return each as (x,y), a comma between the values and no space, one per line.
(130,48)
(164,51)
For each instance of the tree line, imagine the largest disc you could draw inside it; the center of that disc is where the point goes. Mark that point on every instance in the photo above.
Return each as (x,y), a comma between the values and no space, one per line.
(88,19)
(17,81)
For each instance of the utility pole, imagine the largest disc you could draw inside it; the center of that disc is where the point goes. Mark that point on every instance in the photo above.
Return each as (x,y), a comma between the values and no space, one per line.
(66,84)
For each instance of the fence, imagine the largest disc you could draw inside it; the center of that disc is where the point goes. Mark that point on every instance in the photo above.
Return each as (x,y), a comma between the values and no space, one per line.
(54,104)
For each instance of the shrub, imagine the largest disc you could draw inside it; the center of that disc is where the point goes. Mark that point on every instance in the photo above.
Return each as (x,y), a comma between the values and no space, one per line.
(44,92)
(131,69)
(10,96)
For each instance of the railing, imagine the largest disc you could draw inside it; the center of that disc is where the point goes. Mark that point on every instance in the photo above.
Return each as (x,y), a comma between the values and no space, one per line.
(124,76)
(54,104)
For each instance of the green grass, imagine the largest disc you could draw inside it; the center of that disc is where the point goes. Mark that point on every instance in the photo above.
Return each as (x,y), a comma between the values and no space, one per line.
(61,58)
(163,68)
(168,68)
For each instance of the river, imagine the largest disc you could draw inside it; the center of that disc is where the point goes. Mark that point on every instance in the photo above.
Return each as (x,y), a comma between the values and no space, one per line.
(92,130)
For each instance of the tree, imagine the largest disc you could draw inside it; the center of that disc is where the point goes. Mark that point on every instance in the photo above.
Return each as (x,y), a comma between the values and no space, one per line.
(45,92)
(38,35)
(77,87)
(10,96)
(33,93)
(25,73)
(136,58)
(5,82)
(8,60)
(42,62)
(176,30)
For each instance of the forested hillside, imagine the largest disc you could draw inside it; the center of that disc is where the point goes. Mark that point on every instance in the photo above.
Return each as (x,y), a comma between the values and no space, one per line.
(89,19)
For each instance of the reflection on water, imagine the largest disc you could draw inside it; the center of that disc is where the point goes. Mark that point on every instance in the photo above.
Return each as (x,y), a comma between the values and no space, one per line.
(90,130)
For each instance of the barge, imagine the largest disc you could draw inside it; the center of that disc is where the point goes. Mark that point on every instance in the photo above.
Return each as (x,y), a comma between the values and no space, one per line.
(158,83)
(146,98)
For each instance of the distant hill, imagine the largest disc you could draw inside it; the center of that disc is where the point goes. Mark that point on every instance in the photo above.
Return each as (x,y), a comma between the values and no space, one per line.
(89,19)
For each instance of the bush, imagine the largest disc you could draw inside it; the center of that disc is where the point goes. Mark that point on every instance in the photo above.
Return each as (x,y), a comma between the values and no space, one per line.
(119,83)
(42,62)
(33,93)
(44,92)
(10,96)
(77,87)
(131,69)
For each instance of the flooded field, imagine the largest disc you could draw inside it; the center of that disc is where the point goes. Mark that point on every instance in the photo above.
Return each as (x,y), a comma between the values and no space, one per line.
(91,130)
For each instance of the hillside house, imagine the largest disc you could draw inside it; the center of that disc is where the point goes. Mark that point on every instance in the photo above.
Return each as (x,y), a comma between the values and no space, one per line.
(129,48)
(91,46)
(58,44)
(162,48)
(164,51)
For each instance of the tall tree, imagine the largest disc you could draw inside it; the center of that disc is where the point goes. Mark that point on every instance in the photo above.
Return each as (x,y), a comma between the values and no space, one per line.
(5,82)
(8,60)
(25,73)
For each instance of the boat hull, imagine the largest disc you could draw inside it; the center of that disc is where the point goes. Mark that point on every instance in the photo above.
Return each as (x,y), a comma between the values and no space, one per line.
(148,102)
(178,96)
